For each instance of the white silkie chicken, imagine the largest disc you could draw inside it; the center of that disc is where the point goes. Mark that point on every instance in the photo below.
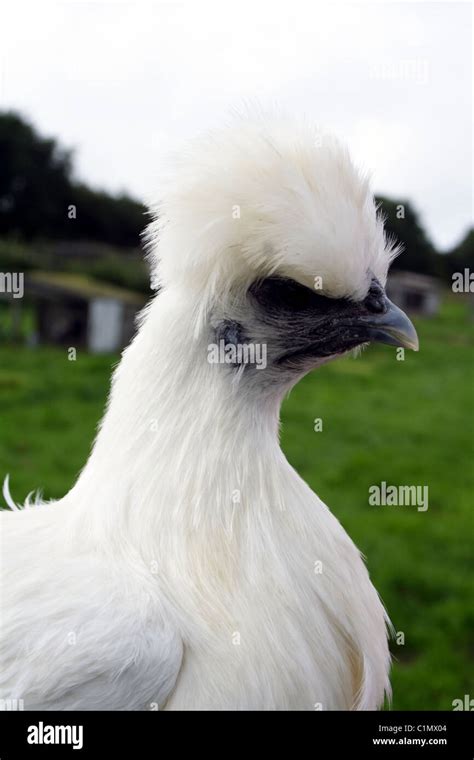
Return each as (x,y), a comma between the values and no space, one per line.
(178,573)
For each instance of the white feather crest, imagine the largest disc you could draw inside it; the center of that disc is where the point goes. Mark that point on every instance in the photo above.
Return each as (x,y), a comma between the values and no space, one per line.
(267,194)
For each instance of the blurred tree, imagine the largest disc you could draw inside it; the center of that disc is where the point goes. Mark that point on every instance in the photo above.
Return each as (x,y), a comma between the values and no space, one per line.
(106,218)
(34,181)
(40,199)
(462,255)
(402,224)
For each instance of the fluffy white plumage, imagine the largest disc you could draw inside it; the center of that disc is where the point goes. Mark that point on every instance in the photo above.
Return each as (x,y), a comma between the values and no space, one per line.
(179,570)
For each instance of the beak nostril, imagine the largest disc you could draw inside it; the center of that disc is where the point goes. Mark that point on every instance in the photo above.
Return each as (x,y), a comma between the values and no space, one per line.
(375,302)
(376,305)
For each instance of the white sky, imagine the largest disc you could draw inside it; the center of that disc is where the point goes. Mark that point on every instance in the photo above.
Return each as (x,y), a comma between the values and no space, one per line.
(121,82)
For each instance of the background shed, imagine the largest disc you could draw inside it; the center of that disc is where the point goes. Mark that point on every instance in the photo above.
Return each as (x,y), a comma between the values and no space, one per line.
(414,292)
(75,310)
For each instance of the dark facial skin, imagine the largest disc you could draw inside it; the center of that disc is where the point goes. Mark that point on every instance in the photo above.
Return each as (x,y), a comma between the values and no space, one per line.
(302,328)
(315,326)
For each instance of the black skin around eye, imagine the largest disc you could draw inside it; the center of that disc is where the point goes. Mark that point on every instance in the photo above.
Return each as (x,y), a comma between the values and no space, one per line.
(287,295)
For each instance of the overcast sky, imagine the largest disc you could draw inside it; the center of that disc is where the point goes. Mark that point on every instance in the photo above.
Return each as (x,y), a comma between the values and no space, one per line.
(122,82)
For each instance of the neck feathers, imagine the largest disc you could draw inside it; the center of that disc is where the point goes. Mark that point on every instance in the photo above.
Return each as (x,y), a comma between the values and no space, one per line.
(181,439)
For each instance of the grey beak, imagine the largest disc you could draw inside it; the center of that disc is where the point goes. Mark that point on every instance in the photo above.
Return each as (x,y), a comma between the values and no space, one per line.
(393,327)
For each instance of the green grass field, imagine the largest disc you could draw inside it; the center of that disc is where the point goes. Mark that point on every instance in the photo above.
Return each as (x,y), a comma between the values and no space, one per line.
(404,422)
